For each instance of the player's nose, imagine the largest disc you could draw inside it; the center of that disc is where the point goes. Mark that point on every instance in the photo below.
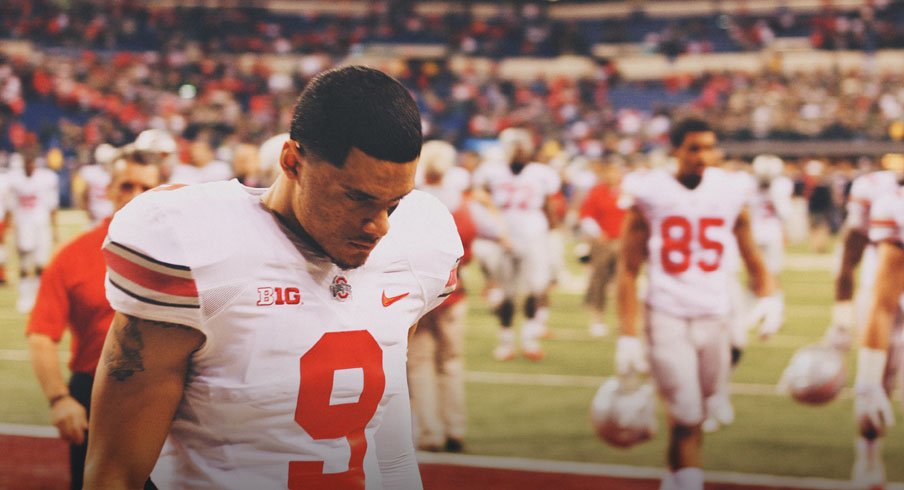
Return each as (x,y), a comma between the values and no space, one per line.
(377,225)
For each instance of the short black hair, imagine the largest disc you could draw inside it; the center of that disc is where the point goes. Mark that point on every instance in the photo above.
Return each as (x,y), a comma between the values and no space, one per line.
(356,106)
(690,125)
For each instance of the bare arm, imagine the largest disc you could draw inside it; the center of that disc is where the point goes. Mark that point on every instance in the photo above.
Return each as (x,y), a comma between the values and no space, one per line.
(66,414)
(854,244)
(887,290)
(549,209)
(633,252)
(137,389)
(761,282)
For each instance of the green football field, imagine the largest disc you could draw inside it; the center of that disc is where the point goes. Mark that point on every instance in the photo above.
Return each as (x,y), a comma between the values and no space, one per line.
(539,409)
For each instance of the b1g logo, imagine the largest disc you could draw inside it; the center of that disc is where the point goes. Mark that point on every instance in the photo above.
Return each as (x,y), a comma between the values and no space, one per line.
(268,296)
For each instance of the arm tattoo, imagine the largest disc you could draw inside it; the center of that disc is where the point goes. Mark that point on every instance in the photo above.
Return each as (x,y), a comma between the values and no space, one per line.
(125,359)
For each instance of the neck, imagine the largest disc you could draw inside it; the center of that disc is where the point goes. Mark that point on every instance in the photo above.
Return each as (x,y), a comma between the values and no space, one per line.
(691,181)
(279,200)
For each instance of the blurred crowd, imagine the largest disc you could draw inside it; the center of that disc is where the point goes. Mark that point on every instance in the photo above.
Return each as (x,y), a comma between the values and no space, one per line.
(76,102)
(524,29)
(103,75)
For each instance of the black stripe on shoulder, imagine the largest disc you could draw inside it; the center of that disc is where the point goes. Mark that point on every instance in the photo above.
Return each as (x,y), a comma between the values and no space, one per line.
(152,259)
(151,301)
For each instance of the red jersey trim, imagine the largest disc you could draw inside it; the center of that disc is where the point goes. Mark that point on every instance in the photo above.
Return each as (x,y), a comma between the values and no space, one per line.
(149,280)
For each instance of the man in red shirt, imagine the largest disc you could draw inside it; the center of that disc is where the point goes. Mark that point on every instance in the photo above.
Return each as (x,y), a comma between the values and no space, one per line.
(601,220)
(72,295)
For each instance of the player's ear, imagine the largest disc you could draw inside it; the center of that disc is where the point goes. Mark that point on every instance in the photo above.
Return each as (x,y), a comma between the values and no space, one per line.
(291,158)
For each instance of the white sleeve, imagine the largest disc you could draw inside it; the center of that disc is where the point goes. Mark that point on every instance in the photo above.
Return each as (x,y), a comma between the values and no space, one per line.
(395,445)
(858,206)
(780,192)
(886,220)
(488,225)
(53,190)
(148,275)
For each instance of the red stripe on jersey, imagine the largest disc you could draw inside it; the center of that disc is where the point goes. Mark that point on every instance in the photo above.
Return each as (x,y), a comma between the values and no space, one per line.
(885,223)
(150,279)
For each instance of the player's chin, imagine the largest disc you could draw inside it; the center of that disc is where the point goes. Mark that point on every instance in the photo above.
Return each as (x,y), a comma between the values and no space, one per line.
(353,256)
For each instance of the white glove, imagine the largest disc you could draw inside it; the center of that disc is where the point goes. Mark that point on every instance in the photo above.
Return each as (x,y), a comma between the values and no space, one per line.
(873,410)
(630,357)
(871,406)
(769,312)
(840,332)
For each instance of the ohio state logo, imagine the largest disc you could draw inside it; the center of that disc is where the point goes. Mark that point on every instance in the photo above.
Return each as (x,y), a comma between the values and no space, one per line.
(340,288)
(268,296)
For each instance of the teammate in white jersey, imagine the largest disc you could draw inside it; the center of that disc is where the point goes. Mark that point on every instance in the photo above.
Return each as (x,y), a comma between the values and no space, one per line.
(34,200)
(5,176)
(878,359)
(94,197)
(260,336)
(521,189)
(683,223)
(860,246)
(769,209)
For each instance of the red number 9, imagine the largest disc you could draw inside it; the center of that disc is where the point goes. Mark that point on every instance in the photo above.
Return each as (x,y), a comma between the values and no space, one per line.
(314,414)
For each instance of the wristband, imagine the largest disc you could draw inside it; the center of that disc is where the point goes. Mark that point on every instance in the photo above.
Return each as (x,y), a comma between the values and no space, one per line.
(843,313)
(56,398)
(870,366)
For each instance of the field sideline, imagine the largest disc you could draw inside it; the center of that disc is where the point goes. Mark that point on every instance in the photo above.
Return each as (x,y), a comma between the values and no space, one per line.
(536,413)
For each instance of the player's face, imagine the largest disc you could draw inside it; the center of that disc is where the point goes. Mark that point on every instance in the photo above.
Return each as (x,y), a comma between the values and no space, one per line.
(129,181)
(697,151)
(346,210)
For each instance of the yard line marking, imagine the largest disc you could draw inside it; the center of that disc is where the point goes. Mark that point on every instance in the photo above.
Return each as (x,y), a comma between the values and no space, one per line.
(22,355)
(632,472)
(42,431)
(561,380)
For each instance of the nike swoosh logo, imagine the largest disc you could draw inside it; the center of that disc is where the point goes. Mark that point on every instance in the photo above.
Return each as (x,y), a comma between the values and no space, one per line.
(389,300)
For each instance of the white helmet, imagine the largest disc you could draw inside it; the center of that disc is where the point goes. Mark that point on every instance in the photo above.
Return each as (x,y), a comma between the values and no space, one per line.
(269,157)
(767,167)
(815,375)
(514,139)
(437,157)
(623,411)
(105,153)
(154,141)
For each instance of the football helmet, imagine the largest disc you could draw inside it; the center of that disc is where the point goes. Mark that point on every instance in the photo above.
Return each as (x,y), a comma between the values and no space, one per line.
(269,158)
(767,167)
(623,411)
(437,157)
(515,140)
(815,375)
(155,141)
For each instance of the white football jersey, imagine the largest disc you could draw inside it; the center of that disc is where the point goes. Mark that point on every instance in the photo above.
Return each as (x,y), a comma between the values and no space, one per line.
(690,232)
(301,357)
(769,208)
(32,198)
(96,181)
(190,174)
(5,197)
(520,197)
(887,218)
(865,190)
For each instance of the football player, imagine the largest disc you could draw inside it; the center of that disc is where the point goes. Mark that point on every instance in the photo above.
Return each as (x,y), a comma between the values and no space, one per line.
(682,223)
(770,205)
(260,336)
(35,198)
(436,351)
(861,245)
(521,189)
